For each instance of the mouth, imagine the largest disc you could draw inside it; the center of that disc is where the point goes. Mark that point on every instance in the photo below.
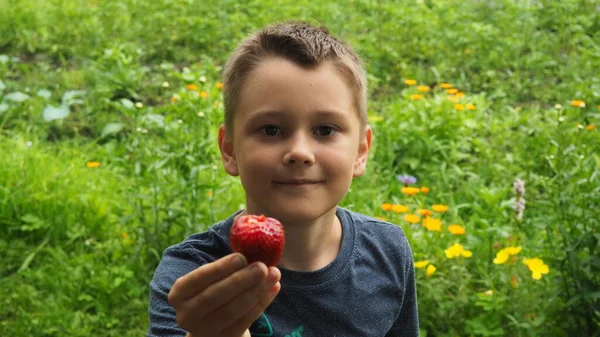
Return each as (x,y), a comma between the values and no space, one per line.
(297,182)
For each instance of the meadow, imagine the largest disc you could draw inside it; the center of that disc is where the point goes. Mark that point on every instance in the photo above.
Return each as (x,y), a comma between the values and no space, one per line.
(486,119)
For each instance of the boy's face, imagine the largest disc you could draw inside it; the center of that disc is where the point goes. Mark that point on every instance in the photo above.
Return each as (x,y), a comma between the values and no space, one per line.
(296,140)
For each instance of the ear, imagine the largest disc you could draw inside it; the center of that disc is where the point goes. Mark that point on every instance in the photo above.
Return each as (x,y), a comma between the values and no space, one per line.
(360,163)
(227,152)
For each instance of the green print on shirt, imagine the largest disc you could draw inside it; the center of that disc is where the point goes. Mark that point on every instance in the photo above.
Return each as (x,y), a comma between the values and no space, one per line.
(297,332)
(261,327)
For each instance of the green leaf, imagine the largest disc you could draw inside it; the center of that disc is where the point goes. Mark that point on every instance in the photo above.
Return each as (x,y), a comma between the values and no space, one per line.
(51,113)
(112,128)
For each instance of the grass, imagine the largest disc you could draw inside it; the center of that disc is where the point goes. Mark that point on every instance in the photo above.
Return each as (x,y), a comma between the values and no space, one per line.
(80,244)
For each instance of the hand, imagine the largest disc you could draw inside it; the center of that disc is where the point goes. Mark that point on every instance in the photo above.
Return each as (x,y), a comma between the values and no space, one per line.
(224,297)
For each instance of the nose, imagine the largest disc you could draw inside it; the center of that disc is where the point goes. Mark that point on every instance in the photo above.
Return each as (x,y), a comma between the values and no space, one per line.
(299,151)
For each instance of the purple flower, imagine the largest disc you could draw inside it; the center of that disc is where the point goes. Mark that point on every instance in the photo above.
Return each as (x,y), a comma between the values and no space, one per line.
(406,179)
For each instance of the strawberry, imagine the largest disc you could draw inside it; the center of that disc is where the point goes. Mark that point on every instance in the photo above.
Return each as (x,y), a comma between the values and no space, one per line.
(258,238)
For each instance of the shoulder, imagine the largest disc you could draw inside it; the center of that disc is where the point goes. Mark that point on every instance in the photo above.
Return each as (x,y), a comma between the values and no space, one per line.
(195,251)
(378,237)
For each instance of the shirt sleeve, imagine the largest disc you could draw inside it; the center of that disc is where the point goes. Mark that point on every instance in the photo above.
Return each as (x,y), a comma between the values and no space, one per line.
(407,322)
(176,262)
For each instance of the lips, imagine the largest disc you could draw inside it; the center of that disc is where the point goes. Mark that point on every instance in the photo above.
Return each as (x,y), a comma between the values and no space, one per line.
(298,182)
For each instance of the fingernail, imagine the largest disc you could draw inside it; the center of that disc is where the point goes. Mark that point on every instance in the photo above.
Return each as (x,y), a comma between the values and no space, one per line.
(238,261)
(256,270)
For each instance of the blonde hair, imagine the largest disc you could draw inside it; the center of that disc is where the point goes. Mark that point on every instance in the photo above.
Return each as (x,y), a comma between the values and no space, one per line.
(305,45)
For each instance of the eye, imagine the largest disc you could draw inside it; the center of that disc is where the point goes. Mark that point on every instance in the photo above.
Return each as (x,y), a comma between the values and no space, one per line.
(325,131)
(270,130)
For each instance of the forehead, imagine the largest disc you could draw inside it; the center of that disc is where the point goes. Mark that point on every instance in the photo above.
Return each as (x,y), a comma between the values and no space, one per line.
(282,86)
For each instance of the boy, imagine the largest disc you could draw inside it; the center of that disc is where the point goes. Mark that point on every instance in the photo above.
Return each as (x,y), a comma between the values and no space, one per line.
(295,132)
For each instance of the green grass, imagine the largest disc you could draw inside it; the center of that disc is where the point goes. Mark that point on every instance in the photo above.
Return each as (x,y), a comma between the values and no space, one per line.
(79,245)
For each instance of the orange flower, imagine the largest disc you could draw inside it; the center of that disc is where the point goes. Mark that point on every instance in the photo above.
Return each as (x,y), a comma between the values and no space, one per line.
(425,212)
(400,208)
(423,88)
(452,91)
(220,85)
(125,235)
(591,127)
(456,229)
(174,99)
(459,107)
(191,87)
(410,82)
(432,224)
(578,103)
(416,97)
(410,190)
(92,164)
(425,189)
(452,99)
(387,206)
(446,85)
(471,106)
(203,94)
(412,218)
(380,218)
(459,94)
(440,208)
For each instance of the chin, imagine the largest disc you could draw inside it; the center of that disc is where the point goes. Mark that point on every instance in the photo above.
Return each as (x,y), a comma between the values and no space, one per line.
(298,213)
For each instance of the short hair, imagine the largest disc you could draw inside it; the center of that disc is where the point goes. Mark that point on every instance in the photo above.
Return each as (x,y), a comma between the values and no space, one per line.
(305,45)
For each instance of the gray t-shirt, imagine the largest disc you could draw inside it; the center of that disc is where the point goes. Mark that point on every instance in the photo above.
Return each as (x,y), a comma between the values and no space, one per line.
(368,290)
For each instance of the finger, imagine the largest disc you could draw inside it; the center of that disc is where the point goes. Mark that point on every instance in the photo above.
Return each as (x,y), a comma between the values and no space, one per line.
(194,282)
(226,290)
(243,323)
(237,307)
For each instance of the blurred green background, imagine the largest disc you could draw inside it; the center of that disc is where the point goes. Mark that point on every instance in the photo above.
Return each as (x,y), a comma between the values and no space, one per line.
(108,119)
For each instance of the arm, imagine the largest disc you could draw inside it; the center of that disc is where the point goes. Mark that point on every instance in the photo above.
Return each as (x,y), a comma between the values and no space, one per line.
(163,321)
(407,321)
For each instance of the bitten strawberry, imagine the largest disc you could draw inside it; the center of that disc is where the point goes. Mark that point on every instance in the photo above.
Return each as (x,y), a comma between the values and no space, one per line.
(258,238)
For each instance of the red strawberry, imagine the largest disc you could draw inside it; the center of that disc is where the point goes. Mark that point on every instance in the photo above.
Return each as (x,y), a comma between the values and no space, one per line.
(258,238)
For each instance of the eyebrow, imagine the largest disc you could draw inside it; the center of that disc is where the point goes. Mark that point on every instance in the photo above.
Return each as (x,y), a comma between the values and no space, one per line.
(278,113)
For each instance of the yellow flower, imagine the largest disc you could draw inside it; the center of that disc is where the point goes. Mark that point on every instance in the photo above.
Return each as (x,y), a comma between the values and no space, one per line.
(423,88)
(410,190)
(591,127)
(424,212)
(578,103)
(459,107)
(387,207)
(452,91)
(452,99)
(440,208)
(537,267)
(425,189)
(410,82)
(432,225)
(380,218)
(191,87)
(125,235)
(459,94)
(456,229)
(503,254)
(416,97)
(374,118)
(400,208)
(219,85)
(412,218)
(430,270)
(457,250)
(488,292)
(421,264)
(446,85)
(203,94)
(174,99)
(471,106)
(92,164)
